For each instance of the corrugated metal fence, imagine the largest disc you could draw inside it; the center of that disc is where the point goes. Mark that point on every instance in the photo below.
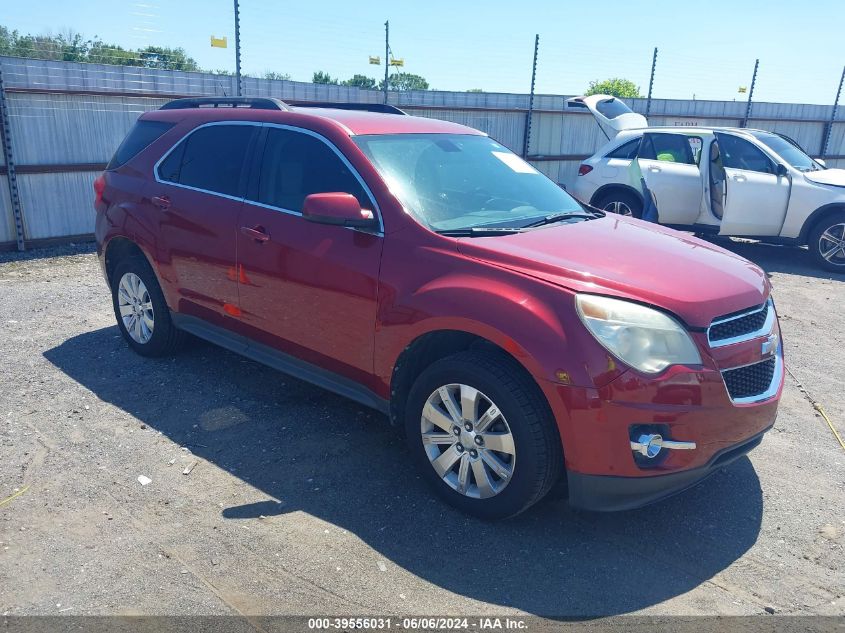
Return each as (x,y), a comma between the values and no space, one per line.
(66,119)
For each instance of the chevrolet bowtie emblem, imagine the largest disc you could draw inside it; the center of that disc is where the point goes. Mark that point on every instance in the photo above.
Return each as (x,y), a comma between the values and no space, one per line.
(769,345)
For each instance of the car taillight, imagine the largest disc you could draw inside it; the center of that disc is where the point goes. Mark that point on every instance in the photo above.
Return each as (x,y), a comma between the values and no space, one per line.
(99,188)
(583,170)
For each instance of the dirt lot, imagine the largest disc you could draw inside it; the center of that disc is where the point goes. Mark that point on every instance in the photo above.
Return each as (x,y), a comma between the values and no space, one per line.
(299,502)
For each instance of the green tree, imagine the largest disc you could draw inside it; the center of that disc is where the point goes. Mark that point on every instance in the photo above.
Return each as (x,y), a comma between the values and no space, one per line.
(166,58)
(361,81)
(474,90)
(405,81)
(102,53)
(617,87)
(272,74)
(321,77)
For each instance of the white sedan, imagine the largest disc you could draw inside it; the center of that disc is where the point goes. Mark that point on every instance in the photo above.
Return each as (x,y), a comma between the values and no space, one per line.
(727,181)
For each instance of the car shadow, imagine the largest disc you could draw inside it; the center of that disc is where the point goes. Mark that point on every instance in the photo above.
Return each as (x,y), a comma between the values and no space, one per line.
(309,450)
(774,258)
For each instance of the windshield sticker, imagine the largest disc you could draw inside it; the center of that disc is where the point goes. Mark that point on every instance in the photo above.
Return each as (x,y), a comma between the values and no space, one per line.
(515,162)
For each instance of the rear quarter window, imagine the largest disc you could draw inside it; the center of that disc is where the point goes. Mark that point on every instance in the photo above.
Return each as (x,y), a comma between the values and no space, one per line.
(142,134)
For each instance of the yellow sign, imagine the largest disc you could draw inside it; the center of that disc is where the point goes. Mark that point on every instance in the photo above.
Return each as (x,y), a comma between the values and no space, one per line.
(743,89)
(376,61)
(397,62)
(219,42)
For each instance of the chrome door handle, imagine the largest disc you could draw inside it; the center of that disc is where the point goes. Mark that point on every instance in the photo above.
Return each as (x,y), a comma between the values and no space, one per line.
(654,169)
(258,233)
(650,445)
(739,178)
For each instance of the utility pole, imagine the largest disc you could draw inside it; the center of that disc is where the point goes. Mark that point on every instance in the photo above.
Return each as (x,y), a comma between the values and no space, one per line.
(386,55)
(651,83)
(832,116)
(527,139)
(750,94)
(238,47)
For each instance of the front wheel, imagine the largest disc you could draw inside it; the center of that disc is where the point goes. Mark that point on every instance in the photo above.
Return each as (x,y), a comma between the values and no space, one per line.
(482,434)
(827,242)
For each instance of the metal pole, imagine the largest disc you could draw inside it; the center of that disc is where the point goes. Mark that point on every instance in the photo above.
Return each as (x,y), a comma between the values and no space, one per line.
(386,55)
(832,116)
(11,174)
(527,138)
(651,83)
(238,47)
(750,94)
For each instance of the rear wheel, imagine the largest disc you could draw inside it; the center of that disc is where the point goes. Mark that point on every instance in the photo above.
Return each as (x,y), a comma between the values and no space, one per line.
(141,311)
(482,435)
(827,242)
(620,203)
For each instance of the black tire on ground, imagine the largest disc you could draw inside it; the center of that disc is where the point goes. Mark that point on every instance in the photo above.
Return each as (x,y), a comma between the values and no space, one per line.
(166,339)
(834,223)
(538,458)
(607,202)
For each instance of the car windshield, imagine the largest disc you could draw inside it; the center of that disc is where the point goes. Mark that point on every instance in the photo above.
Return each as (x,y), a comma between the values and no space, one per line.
(454,181)
(788,151)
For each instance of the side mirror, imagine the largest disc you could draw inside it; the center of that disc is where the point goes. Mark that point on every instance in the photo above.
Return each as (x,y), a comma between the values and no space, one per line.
(340,209)
(821,162)
(781,170)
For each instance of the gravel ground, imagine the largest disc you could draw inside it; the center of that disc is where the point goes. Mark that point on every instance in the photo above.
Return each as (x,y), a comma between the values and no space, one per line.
(300,502)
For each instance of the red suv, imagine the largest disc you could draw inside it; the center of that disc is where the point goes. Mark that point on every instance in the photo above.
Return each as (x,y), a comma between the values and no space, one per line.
(422,269)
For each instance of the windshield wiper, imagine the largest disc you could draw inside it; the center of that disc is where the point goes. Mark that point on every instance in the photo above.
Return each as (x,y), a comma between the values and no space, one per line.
(557,217)
(481,231)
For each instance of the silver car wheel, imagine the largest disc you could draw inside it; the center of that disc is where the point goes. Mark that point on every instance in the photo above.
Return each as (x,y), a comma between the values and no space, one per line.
(618,207)
(136,308)
(832,244)
(468,441)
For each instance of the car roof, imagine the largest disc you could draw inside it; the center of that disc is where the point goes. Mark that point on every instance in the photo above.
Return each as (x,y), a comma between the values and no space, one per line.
(351,122)
(627,134)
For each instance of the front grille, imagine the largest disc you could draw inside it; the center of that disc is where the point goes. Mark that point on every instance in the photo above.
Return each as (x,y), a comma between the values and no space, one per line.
(751,380)
(739,326)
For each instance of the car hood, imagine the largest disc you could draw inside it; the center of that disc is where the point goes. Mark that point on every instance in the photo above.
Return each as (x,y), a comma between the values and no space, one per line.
(633,259)
(835,177)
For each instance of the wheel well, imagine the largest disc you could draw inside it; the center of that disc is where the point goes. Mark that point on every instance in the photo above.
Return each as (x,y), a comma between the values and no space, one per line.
(119,249)
(605,189)
(817,216)
(429,348)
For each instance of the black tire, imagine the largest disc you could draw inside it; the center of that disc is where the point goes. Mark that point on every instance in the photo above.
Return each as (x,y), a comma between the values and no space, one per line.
(166,339)
(607,200)
(836,223)
(538,461)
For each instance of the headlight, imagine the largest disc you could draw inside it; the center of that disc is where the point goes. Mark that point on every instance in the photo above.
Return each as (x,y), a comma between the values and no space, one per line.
(645,339)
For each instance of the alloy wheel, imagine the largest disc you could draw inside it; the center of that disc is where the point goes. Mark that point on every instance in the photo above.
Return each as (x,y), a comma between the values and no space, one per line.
(832,244)
(136,308)
(618,207)
(468,441)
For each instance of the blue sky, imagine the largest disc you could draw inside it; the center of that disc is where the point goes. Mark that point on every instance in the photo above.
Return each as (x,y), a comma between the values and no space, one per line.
(707,49)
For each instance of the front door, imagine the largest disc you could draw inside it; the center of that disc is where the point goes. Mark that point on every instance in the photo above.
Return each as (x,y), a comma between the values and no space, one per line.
(756,197)
(197,196)
(307,289)
(669,166)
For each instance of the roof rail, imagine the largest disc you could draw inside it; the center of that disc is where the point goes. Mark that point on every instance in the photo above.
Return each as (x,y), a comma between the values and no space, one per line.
(345,105)
(255,103)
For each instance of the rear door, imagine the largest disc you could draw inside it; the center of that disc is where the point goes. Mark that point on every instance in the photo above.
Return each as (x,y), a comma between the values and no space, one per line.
(307,289)
(757,198)
(668,163)
(611,114)
(197,195)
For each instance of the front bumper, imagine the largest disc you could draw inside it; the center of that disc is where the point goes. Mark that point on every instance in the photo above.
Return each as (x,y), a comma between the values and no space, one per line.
(608,493)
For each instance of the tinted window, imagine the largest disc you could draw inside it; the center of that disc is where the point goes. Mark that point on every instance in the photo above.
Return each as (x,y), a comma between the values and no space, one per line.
(612,108)
(627,150)
(140,136)
(673,148)
(789,150)
(296,165)
(211,158)
(737,153)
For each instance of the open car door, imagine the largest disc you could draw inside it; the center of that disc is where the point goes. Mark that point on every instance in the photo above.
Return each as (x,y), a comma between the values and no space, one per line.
(610,113)
(669,166)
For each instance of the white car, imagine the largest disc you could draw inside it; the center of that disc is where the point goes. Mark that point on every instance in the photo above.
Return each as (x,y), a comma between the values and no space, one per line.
(727,181)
